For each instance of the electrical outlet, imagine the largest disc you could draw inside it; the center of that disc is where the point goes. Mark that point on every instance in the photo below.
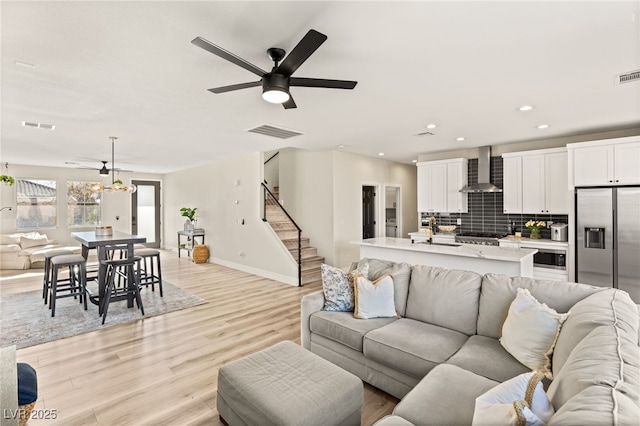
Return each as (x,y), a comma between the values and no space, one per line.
(459,221)
(549,223)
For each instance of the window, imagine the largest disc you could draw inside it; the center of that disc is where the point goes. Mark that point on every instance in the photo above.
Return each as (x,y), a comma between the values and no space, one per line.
(83,204)
(36,203)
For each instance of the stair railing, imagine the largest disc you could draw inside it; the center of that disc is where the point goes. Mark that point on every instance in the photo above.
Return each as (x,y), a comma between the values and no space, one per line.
(268,195)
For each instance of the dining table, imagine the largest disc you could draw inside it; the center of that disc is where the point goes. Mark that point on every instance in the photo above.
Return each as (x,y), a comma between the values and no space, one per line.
(89,240)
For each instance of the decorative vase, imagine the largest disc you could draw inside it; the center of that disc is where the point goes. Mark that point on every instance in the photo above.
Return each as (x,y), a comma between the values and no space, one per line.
(188,225)
(535,234)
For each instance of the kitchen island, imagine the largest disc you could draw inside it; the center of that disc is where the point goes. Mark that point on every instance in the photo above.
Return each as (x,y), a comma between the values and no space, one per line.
(471,257)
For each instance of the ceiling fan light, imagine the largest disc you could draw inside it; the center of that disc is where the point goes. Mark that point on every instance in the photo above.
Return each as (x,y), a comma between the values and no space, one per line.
(275,95)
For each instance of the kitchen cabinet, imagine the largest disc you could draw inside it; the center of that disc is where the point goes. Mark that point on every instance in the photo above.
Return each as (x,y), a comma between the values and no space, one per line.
(609,162)
(439,184)
(536,182)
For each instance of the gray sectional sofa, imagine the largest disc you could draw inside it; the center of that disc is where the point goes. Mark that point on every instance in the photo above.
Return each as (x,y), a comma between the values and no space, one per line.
(443,351)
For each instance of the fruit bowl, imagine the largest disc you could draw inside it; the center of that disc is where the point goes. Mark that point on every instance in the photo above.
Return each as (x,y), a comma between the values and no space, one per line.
(447,228)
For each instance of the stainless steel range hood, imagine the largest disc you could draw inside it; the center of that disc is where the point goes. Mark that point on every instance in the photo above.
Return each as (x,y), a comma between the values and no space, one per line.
(484,162)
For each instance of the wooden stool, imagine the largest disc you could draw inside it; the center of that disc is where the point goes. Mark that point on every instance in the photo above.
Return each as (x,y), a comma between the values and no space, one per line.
(77,284)
(121,268)
(149,268)
(46,281)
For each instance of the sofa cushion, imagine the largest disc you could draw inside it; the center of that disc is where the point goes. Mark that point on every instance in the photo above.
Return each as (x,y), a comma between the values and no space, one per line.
(446,396)
(412,346)
(392,420)
(444,297)
(505,404)
(498,291)
(597,405)
(9,248)
(486,357)
(401,273)
(27,241)
(603,357)
(606,307)
(530,331)
(343,328)
(374,299)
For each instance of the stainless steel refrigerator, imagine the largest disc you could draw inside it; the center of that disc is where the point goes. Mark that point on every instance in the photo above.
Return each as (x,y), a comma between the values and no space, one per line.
(608,238)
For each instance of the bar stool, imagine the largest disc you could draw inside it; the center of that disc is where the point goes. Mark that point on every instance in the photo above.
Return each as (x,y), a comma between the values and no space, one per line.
(121,268)
(150,272)
(46,280)
(77,284)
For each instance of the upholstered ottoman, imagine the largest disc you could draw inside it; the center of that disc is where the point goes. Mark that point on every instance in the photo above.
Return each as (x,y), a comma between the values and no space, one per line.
(288,385)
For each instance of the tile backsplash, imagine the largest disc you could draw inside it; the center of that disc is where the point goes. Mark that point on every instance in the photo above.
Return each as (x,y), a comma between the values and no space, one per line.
(486,212)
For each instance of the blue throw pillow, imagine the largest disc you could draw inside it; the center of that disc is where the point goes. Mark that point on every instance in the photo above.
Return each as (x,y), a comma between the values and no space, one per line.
(27,384)
(338,292)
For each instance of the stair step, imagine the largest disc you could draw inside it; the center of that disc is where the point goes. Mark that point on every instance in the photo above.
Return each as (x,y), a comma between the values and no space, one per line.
(312,263)
(307,252)
(311,275)
(286,234)
(292,243)
(281,225)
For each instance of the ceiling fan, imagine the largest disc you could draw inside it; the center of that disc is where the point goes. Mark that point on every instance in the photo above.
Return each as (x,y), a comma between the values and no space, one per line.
(276,83)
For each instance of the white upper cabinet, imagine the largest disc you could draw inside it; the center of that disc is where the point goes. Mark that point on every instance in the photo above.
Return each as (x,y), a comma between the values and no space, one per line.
(605,163)
(512,184)
(536,182)
(439,184)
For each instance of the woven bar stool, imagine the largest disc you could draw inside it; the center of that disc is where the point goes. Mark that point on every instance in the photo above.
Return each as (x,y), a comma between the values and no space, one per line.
(77,285)
(149,267)
(121,268)
(46,280)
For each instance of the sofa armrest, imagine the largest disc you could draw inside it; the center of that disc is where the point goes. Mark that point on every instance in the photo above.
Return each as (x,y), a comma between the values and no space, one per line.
(309,304)
(9,248)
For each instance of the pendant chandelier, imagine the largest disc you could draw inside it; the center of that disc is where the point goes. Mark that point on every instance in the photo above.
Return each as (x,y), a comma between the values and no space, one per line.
(116,184)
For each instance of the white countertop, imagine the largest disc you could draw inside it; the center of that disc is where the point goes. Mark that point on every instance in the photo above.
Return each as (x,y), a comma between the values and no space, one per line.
(540,242)
(465,250)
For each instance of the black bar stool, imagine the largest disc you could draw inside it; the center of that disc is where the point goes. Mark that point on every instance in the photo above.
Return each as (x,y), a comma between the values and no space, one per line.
(46,280)
(77,284)
(150,272)
(121,268)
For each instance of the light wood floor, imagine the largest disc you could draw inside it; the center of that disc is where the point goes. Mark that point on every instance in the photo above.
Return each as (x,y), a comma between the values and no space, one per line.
(163,370)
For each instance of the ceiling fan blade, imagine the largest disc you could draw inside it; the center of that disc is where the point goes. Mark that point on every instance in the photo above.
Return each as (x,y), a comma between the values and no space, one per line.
(233,87)
(305,48)
(321,82)
(290,103)
(224,54)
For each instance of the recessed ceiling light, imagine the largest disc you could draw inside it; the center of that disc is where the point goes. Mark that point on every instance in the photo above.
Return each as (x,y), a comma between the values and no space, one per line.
(381,154)
(542,126)
(460,139)
(340,146)
(525,108)
(431,126)
(25,65)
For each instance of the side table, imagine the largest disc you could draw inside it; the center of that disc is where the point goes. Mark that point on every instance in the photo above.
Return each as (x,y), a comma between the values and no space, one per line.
(190,240)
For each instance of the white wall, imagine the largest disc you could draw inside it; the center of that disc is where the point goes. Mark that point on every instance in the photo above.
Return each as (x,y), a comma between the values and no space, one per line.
(214,190)
(113,204)
(350,172)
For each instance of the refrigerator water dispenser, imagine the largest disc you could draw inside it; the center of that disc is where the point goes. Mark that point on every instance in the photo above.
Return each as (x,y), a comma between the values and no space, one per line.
(594,238)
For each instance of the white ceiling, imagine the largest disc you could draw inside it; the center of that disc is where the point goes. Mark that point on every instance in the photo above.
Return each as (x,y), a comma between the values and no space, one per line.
(128,69)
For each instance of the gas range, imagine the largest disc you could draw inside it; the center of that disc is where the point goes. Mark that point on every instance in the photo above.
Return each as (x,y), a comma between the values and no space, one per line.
(482,238)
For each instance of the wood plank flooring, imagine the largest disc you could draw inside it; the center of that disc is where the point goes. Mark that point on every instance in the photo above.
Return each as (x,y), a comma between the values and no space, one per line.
(163,369)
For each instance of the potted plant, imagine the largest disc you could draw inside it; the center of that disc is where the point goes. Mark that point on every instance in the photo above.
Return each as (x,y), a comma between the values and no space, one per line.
(190,214)
(7,180)
(535,228)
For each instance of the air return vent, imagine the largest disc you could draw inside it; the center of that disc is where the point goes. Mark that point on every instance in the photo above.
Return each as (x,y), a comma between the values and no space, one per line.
(38,125)
(275,131)
(628,77)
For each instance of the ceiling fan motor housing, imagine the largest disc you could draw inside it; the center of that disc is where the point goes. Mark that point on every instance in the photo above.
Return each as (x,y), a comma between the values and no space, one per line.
(274,81)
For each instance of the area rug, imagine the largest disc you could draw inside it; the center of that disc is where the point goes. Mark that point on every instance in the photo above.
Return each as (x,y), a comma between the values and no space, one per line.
(26,321)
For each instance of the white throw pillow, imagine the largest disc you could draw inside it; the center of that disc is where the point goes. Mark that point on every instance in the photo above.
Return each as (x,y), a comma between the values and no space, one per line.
(374,299)
(517,401)
(27,241)
(530,331)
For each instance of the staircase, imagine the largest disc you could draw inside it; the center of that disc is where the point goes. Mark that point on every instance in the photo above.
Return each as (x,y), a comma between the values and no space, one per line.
(288,234)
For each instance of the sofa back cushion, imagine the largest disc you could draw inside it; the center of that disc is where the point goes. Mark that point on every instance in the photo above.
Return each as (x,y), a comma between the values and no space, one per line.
(401,273)
(604,357)
(444,297)
(498,291)
(608,307)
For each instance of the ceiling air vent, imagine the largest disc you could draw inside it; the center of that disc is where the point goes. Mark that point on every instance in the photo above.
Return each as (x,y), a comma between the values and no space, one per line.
(276,132)
(628,77)
(38,125)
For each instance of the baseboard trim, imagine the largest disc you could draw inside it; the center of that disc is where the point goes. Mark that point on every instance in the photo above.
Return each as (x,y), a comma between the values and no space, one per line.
(256,271)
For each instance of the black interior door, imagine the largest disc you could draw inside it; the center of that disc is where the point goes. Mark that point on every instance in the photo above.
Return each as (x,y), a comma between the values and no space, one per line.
(368,212)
